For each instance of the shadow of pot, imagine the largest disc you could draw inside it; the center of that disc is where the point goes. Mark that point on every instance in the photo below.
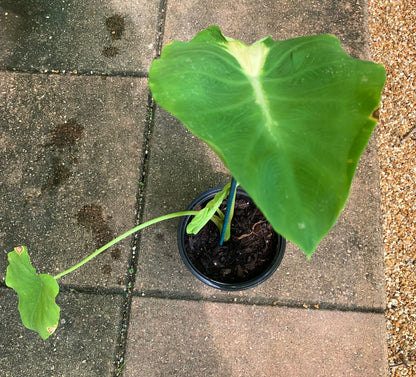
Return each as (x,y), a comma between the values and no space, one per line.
(277,244)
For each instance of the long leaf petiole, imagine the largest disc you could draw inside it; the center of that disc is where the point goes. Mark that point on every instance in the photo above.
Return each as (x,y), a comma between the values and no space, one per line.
(124,235)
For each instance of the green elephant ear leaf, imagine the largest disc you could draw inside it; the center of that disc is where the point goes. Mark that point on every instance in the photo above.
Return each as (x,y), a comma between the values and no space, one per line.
(290,119)
(36,293)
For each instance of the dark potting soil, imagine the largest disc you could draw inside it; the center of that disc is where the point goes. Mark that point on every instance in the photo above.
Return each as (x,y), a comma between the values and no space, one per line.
(247,254)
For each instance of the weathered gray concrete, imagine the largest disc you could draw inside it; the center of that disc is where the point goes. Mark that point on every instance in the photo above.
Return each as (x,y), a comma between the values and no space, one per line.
(251,20)
(72,162)
(84,344)
(180,168)
(71,155)
(78,35)
(179,338)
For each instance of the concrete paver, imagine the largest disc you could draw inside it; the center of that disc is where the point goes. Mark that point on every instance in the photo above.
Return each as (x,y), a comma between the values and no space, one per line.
(84,344)
(251,20)
(180,167)
(81,36)
(178,338)
(71,158)
(346,270)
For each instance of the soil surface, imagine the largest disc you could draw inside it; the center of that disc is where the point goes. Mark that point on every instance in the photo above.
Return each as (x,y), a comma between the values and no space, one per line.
(246,255)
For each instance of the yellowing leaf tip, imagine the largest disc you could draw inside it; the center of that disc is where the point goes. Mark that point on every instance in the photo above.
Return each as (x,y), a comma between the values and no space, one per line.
(51,330)
(19,249)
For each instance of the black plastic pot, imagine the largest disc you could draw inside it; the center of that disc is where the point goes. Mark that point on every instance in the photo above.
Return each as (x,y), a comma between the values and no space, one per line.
(201,201)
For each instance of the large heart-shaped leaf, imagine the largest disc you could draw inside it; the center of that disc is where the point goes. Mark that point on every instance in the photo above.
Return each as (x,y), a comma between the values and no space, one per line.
(290,119)
(36,293)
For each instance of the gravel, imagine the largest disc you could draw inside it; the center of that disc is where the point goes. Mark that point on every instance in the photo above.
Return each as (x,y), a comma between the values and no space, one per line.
(393,44)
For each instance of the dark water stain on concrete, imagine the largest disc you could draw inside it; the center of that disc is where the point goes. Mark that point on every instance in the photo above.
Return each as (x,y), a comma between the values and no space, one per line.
(66,134)
(91,216)
(110,52)
(62,140)
(116,254)
(27,12)
(115,25)
(59,175)
(106,270)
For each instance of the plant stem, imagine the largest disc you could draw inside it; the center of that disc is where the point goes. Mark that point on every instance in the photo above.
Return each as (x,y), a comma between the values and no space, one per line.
(124,235)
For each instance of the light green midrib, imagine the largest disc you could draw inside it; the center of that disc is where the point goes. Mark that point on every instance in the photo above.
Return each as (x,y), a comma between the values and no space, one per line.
(252,60)
(261,100)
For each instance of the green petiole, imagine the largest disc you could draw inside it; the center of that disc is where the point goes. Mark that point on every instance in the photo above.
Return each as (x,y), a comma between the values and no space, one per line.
(124,235)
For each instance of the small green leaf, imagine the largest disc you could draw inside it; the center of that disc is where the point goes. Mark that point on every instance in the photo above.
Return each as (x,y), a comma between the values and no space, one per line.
(207,213)
(36,293)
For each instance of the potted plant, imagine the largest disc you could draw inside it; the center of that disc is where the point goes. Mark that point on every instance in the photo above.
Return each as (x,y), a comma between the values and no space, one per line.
(228,257)
(290,119)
